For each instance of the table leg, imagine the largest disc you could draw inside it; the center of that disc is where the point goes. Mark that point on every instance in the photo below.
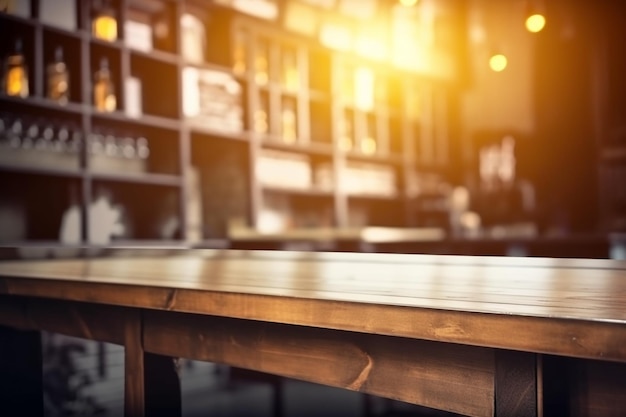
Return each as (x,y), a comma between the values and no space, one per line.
(152,383)
(516,384)
(21,385)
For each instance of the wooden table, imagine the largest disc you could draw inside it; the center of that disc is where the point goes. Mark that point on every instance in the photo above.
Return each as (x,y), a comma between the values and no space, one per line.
(478,336)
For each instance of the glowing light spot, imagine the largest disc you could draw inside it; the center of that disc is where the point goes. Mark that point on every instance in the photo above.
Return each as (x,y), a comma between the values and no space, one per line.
(535,23)
(498,62)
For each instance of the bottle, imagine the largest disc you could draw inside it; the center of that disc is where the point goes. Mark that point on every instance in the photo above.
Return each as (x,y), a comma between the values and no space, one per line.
(345,133)
(288,119)
(45,140)
(104,23)
(261,70)
(15,134)
(261,124)
(368,145)
(239,53)
(16,72)
(58,78)
(143,148)
(290,74)
(32,133)
(128,147)
(104,98)
(110,146)
(261,117)
(62,139)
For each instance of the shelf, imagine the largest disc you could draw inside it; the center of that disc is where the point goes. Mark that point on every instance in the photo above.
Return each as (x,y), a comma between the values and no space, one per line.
(46,249)
(132,244)
(145,120)
(147,178)
(613,153)
(214,67)
(304,148)
(43,171)
(377,159)
(311,192)
(318,96)
(376,197)
(43,103)
(156,55)
(151,191)
(209,131)
(18,19)
(77,34)
(118,44)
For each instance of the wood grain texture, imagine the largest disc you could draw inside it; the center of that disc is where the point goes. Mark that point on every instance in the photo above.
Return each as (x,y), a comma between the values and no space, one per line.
(152,383)
(134,371)
(444,376)
(516,384)
(564,307)
(69,318)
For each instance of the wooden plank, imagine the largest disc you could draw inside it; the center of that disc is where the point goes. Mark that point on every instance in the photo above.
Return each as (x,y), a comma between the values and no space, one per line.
(87,321)
(152,384)
(564,307)
(134,382)
(516,384)
(20,373)
(444,376)
(75,319)
(592,339)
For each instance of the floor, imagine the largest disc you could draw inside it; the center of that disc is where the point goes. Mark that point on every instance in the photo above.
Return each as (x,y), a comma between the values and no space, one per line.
(80,384)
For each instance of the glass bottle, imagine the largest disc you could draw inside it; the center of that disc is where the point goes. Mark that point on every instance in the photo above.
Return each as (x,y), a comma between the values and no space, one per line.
(239,53)
(16,72)
(261,65)
(104,23)
(261,116)
(32,134)
(62,140)
(368,143)
(345,132)
(110,146)
(104,98)
(16,133)
(58,78)
(143,148)
(288,122)
(290,74)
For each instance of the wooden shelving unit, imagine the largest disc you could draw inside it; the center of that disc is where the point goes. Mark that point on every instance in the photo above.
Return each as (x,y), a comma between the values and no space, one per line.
(294,101)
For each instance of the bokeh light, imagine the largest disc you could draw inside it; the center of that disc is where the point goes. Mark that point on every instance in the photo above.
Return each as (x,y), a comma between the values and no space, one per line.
(498,62)
(535,23)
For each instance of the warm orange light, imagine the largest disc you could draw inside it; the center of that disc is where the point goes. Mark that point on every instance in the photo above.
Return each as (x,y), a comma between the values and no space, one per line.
(498,62)
(370,47)
(535,23)
(408,3)
(364,88)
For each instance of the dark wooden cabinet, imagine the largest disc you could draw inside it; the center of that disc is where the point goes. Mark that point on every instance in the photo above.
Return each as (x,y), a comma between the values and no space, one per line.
(185,151)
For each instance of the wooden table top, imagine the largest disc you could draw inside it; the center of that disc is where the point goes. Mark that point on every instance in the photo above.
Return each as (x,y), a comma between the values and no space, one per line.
(567,307)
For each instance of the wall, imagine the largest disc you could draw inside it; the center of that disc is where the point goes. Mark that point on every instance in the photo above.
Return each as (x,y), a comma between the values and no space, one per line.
(498,101)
